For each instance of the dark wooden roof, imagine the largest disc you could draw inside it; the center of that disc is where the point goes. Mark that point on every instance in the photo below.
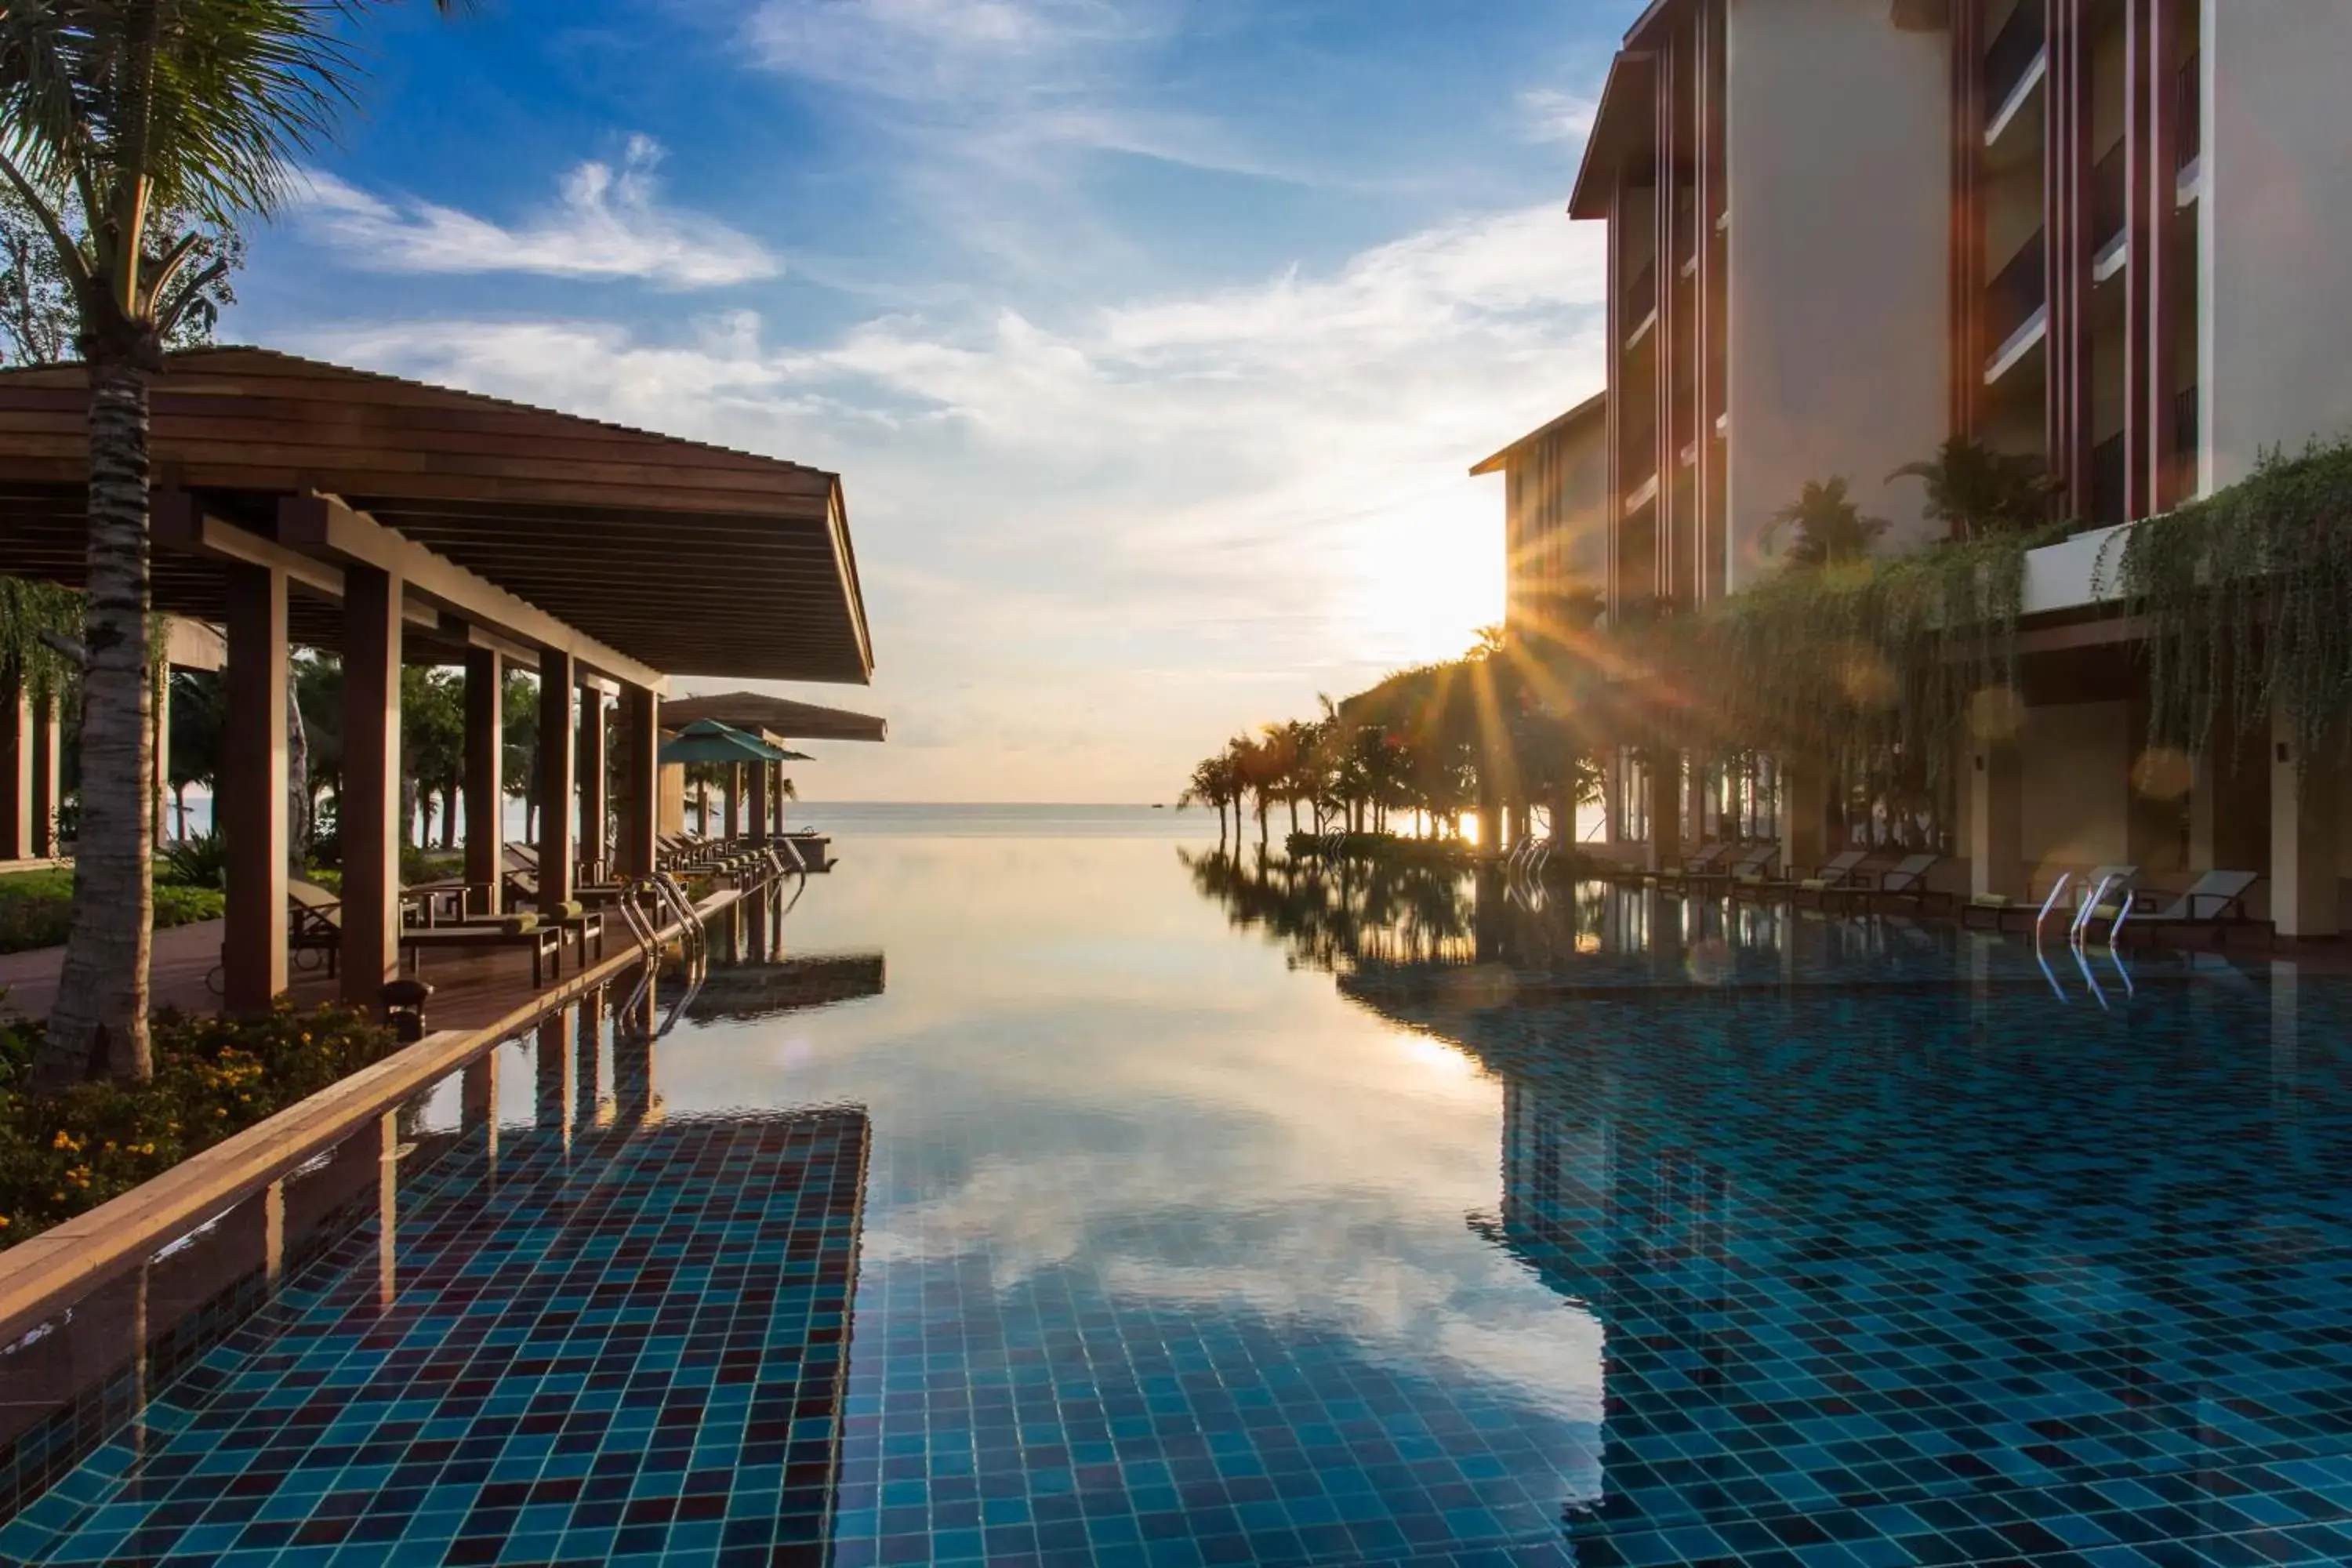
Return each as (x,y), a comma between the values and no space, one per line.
(692,559)
(1590,408)
(777,715)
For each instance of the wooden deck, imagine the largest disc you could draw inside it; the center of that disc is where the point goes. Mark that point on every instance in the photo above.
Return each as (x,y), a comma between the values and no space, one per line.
(470,991)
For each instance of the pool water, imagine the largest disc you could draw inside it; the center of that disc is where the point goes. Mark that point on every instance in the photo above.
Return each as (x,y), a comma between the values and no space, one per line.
(1098,1199)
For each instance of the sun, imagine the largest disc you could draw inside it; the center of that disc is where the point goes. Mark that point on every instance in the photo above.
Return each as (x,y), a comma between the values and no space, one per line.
(1420,585)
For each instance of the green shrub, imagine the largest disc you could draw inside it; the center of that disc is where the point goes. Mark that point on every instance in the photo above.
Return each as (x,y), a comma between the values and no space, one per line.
(198,862)
(65,1153)
(36,907)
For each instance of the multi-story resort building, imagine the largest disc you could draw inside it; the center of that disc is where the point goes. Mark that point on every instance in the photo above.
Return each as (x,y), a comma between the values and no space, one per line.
(2104,233)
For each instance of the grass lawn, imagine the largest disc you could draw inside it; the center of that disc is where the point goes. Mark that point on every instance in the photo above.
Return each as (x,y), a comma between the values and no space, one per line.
(34,907)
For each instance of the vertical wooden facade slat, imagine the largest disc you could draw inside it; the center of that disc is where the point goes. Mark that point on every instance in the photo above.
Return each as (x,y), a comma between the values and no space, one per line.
(368,807)
(486,792)
(2170,288)
(2067,205)
(1666,338)
(1613,410)
(1710,298)
(1969,278)
(249,807)
(2144,230)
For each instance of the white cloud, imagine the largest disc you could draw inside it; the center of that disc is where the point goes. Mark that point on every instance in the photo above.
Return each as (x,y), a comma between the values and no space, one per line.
(1098,545)
(1547,114)
(608,223)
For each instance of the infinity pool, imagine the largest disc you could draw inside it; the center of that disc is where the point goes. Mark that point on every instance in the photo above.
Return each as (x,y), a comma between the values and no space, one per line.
(1098,1199)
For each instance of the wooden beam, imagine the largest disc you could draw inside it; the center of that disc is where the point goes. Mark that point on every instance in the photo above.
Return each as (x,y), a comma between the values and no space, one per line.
(326,524)
(520,655)
(175,522)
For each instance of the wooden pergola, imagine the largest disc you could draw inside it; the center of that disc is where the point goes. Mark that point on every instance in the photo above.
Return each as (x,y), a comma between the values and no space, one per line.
(778,720)
(298,502)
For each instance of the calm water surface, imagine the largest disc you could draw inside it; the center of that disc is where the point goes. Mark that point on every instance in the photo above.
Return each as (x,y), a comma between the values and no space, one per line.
(1221,1211)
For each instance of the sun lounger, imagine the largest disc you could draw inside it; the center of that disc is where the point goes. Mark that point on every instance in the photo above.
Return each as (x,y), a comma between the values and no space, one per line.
(1752,867)
(1830,873)
(315,924)
(1708,858)
(1998,911)
(1905,881)
(543,941)
(2216,902)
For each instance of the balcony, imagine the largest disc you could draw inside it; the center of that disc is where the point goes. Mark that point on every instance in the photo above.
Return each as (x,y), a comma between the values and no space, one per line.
(2012,62)
(2014,306)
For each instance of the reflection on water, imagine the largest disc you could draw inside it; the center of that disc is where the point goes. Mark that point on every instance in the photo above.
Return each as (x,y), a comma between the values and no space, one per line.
(1655,1238)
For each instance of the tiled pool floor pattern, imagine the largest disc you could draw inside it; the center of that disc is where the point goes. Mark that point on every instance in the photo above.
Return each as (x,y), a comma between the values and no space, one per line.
(1889,1279)
(628,1349)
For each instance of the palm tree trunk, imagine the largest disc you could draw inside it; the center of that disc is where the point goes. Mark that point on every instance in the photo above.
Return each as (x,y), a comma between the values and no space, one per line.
(99,1021)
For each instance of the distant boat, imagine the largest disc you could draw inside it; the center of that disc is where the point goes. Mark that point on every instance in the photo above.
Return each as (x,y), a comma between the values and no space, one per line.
(1157,806)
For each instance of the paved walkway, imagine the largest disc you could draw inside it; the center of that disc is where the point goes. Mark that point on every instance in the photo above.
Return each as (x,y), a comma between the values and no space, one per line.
(469,990)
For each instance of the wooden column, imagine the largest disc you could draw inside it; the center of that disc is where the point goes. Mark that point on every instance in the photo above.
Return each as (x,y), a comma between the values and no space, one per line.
(1968,245)
(367,808)
(734,801)
(486,783)
(1664,774)
(250,805)
(16,776)
(49,757)
(557,783)
(761,798)
(640,781)
(2306,887)
(1995,837)
(595,848)
(2067,201)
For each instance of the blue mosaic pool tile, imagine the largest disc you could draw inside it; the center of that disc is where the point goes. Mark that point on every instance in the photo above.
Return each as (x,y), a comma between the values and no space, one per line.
(589,1347)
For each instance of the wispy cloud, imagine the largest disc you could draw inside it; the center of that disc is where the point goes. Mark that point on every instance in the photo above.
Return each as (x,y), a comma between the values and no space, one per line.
(608,223)
(1547,114)
(1125,507)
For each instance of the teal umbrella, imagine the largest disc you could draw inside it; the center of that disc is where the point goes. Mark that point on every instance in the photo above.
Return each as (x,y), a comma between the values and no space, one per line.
(708,741)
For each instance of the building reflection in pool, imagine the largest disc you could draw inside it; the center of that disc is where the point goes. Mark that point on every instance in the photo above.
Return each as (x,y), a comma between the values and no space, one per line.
(1880,1270)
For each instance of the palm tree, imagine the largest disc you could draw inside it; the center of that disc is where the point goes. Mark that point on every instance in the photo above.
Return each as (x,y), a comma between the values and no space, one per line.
(1207,786)
(129,126)
(1974,490)
(193,750)
(1830,526)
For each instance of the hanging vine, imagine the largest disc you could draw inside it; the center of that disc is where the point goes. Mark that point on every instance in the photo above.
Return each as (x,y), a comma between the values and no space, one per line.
(2247,600)
(1856,661)
(35,618)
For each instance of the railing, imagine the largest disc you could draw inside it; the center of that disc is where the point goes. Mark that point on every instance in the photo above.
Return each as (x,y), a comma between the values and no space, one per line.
(2015,293)
(2010,54)
(2110,195)
(2189,108)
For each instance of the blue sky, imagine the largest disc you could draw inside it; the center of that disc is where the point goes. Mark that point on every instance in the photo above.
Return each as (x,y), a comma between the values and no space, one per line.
(1152,338)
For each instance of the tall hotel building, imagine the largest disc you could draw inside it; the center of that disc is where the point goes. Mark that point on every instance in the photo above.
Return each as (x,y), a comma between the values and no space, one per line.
(2110,234)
